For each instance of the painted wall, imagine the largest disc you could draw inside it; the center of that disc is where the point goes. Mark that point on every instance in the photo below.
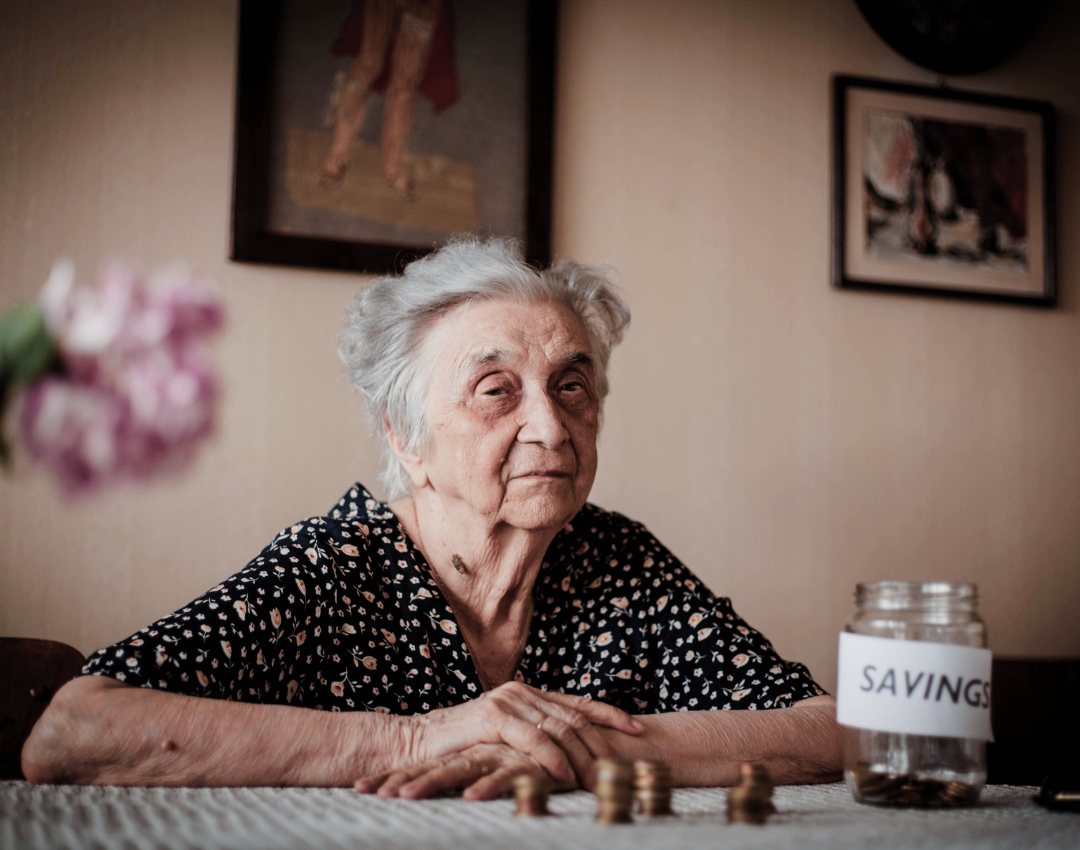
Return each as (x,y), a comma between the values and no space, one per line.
(786,440)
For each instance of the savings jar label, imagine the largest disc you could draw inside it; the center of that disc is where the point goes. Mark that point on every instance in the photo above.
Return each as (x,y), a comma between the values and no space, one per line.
(914,687)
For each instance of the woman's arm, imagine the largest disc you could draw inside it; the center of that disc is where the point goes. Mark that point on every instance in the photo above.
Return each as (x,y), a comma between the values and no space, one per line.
(100,731)
(800,744)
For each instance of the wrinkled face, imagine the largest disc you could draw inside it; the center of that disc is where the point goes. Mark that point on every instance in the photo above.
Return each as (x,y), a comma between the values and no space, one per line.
(514,412)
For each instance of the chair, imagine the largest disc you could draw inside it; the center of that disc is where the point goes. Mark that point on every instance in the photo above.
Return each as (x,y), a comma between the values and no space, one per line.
(31,671)
(1033,709)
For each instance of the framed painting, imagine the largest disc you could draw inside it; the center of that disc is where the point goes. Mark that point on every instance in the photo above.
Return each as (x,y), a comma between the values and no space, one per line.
(368,132)
(942,191)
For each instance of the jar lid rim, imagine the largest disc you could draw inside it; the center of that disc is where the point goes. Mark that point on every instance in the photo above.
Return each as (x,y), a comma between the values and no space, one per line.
(920,588)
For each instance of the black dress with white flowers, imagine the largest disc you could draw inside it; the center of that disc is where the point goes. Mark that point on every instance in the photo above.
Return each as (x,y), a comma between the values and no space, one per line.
(341,613)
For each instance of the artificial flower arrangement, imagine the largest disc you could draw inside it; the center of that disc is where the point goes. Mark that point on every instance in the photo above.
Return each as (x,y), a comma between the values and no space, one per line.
(116,381)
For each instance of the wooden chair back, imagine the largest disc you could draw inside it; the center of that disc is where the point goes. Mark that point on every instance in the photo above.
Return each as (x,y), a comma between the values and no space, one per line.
(31,671)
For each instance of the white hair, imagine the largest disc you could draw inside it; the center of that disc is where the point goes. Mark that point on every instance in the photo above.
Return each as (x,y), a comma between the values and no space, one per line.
(384,329)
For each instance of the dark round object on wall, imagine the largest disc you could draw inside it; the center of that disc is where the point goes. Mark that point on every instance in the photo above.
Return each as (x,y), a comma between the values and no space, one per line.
(953,36)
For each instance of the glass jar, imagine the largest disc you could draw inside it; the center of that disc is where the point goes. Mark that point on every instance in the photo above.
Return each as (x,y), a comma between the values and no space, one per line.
(889,768)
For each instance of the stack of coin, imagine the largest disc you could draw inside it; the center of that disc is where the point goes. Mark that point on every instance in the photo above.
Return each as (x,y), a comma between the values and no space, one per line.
(531,793)
(751,800)
(652,788)
(614,791)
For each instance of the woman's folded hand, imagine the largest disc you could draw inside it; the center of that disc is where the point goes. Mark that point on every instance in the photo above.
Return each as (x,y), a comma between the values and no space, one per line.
(558,732)
(481,772)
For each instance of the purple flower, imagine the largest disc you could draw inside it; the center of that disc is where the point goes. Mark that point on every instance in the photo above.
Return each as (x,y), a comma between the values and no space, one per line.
(76,430)
(186,303)
(137,394)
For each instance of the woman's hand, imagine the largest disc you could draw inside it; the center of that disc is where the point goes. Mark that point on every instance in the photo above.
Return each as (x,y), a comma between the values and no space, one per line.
(484,771)
(558,731)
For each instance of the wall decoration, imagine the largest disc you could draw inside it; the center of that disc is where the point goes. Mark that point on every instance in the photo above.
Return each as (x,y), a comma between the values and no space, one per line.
(938,190)
(953,36)
(368,132)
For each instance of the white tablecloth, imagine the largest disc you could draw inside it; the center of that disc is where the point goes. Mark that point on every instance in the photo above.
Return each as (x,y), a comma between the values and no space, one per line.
(809,816)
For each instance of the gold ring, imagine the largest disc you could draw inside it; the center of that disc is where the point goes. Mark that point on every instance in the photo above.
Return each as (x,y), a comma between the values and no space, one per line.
(540,725)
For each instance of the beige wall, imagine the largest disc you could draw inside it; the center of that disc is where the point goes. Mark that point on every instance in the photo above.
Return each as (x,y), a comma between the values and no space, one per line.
(785,439)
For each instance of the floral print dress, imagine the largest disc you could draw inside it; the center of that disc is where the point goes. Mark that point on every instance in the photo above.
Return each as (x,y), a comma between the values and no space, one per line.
(341,613)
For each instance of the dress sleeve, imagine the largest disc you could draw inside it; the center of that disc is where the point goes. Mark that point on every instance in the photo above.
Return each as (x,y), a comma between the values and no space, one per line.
(241,639)
(707,657)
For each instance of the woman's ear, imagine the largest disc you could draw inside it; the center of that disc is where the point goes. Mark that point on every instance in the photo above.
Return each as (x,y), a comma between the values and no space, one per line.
(413,463)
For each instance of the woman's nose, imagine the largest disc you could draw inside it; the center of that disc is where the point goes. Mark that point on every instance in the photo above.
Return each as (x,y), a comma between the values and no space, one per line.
(542,422)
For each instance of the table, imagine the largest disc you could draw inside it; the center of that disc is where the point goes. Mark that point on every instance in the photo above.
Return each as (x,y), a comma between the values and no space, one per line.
(809,816)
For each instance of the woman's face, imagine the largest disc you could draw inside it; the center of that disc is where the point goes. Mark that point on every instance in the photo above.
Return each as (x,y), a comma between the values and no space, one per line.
(514,413)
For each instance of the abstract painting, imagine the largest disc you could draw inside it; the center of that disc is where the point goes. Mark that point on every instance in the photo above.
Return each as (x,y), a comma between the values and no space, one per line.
(943,191)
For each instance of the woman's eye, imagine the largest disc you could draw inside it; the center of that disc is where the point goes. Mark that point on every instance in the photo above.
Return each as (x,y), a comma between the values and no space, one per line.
(572,386)
(493,389)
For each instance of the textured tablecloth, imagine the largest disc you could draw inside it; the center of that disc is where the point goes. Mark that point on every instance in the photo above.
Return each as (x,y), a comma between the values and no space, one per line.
(809,816)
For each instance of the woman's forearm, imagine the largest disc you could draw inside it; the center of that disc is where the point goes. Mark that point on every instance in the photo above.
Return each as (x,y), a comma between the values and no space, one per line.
(98,731)
(704,748)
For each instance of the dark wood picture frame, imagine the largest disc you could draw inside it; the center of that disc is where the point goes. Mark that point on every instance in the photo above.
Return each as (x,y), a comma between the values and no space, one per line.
(1039,287)
(251,241)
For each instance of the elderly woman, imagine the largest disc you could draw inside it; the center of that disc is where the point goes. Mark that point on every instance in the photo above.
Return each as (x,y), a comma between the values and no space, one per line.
(483,623)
